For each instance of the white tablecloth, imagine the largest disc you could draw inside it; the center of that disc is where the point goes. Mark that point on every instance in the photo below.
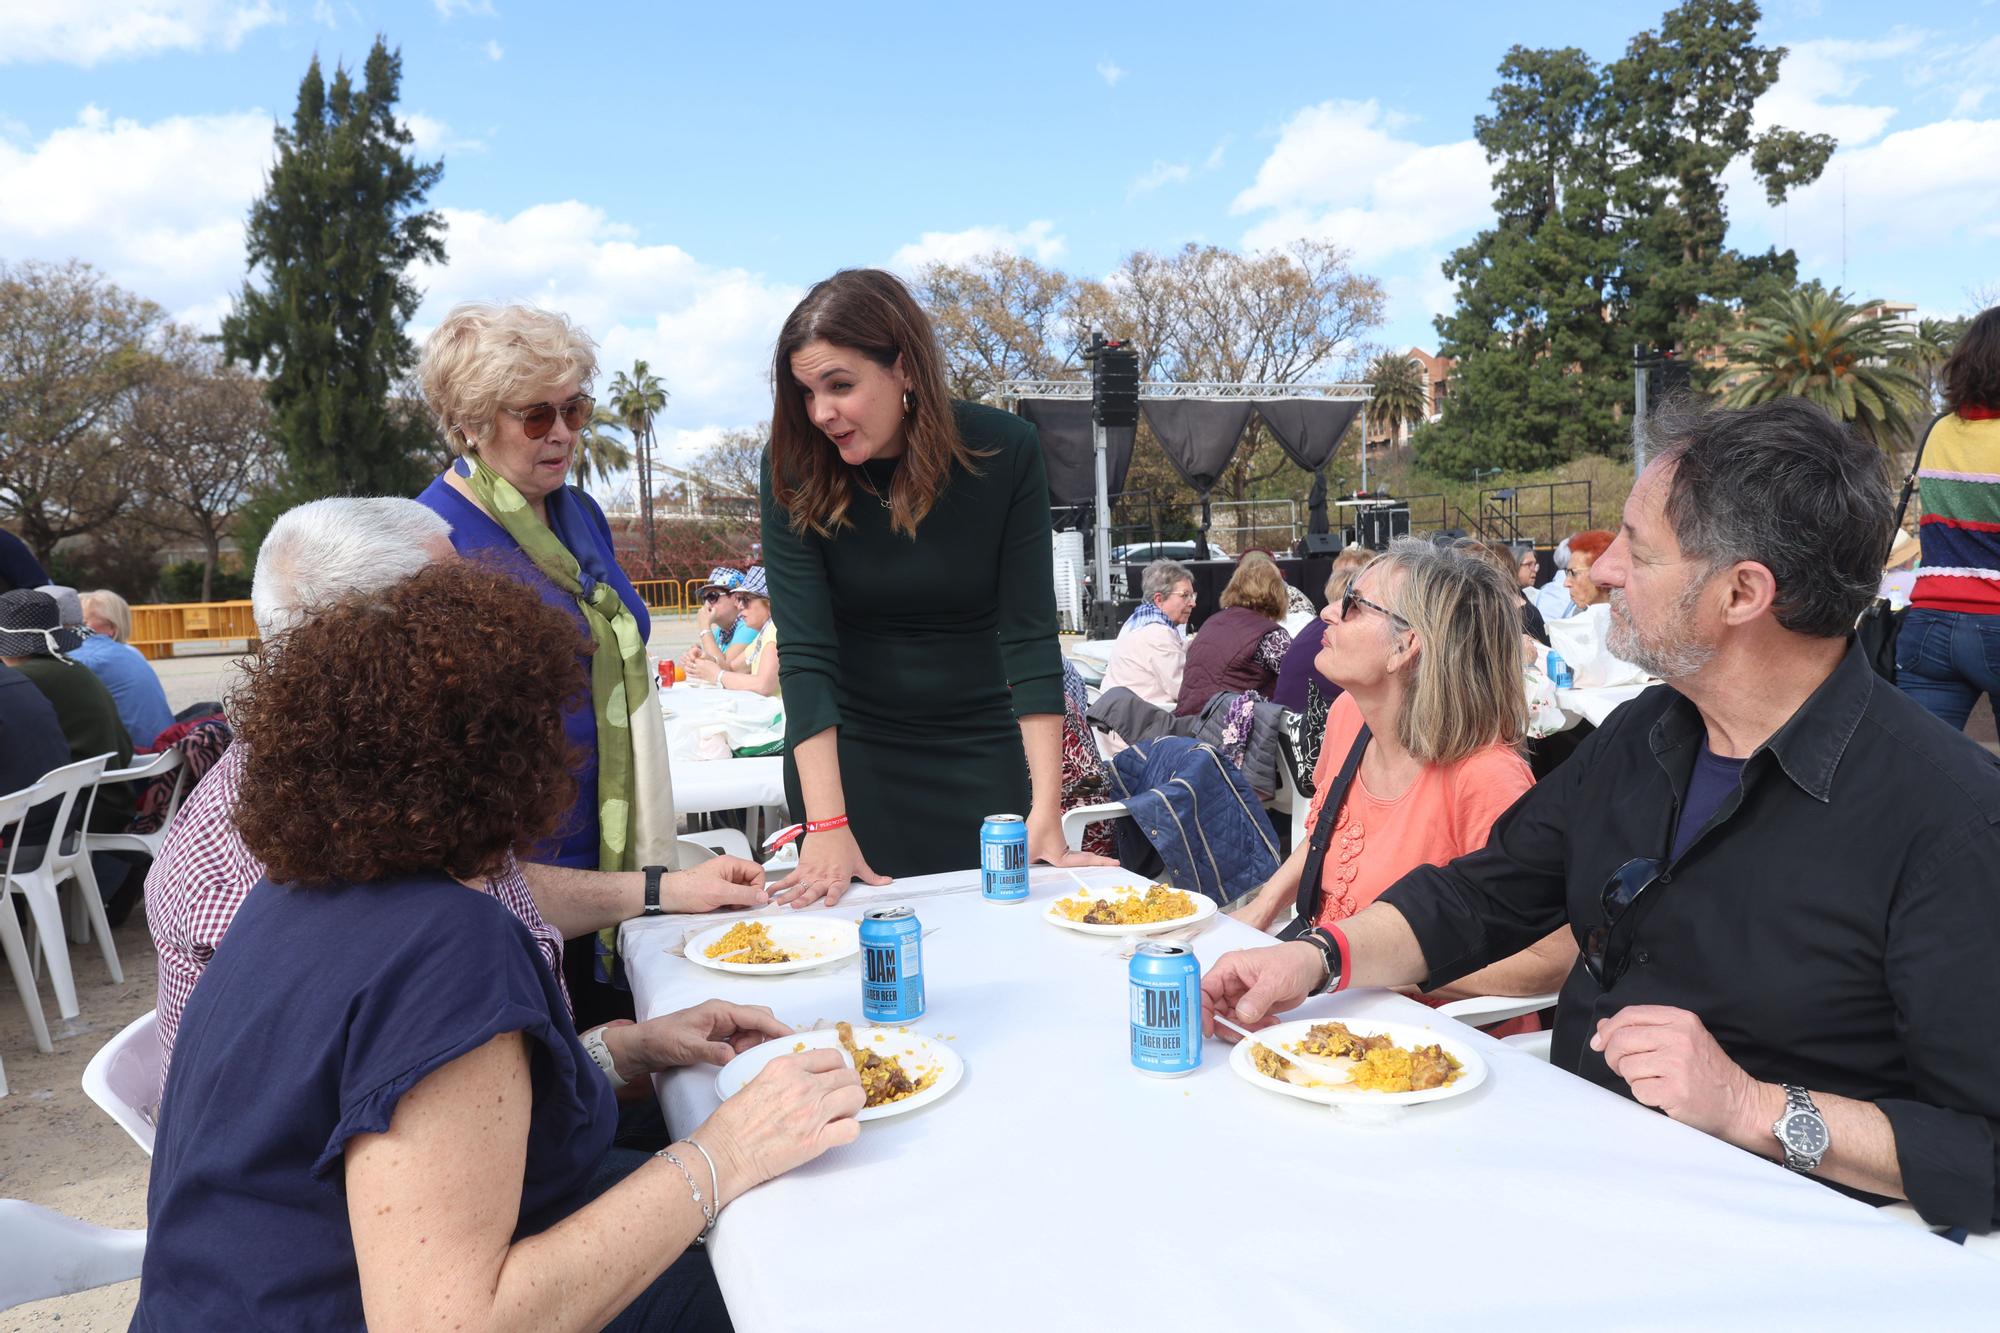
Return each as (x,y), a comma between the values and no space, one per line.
(703,786)
(1055,1188)
(1599,702)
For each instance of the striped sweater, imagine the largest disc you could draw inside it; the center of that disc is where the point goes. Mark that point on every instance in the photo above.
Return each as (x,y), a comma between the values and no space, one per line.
(1961,528)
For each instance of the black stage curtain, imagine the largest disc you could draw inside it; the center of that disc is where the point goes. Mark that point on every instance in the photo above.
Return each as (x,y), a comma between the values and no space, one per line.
(1066,450)
(1308,429)
(1199,438)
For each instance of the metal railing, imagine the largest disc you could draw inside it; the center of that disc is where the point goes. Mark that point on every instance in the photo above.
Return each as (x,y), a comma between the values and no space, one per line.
(158,627)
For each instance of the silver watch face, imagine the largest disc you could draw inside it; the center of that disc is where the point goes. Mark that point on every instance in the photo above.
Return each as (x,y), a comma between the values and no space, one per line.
(1804,1133)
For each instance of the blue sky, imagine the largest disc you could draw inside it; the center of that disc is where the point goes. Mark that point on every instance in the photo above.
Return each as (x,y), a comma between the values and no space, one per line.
(674,175)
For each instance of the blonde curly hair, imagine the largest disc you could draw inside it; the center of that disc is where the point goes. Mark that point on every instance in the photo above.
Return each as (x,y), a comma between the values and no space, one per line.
(486,355)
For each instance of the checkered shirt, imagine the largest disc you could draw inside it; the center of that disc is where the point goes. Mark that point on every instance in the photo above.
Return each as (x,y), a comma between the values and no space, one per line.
(204,872)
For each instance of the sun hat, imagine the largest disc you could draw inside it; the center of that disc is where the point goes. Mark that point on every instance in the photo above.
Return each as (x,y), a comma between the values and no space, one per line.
(723,579)
(754,583)
(68,605)
(31,626)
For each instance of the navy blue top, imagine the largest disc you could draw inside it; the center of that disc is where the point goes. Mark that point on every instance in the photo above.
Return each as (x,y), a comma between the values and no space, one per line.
(31,744)
(18,566)
(134,685)
(320,1009)
(579,524)
(1713,779)
(1298,669)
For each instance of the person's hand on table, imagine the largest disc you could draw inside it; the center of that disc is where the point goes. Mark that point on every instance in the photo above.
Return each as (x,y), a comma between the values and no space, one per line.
(726,881)
(713,1032)
(828,863)
(794,1110)
(1251,986)
(702,668)
(1047,846)
(1670,1061)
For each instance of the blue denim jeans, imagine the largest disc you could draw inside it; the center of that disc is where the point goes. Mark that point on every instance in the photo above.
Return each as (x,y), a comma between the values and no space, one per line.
(1946,659)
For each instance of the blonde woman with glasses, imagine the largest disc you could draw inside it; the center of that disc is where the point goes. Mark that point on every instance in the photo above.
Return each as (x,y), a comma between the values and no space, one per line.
(1425,646)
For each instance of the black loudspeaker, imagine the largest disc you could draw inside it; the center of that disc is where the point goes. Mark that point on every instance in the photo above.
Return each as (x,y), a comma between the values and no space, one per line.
(1376,528)
(1107,618)
(1322,543)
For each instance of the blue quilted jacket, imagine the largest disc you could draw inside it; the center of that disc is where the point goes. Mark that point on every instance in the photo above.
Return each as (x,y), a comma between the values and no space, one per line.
(1199,813)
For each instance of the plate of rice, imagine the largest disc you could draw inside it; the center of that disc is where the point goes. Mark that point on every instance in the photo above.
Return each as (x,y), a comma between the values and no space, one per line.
(770,945)
(1129,910)
(901,1069)
(1359,1061)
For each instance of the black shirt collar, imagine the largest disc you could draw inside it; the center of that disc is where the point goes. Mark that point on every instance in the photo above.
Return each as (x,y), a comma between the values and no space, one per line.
(1810,744)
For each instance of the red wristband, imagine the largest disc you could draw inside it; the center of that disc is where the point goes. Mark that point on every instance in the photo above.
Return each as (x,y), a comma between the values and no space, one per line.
(1346,958)
(791,831)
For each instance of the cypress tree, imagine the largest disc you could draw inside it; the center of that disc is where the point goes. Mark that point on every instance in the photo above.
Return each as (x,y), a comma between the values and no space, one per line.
(332,238)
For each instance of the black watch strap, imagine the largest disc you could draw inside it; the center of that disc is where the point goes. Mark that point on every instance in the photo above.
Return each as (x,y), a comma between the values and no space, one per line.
(653,873)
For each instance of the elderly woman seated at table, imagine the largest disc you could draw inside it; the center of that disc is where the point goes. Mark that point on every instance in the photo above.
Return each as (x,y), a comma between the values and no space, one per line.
(1152,644)
(1240,647)
(1584,549)
(1425,645)
(758,669)
(377,1111)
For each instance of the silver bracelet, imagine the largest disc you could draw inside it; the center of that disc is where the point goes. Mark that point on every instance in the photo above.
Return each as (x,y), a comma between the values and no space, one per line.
(714,1182)
(707,1208)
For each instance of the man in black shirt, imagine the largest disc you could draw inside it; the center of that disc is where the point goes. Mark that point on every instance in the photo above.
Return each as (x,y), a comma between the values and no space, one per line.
(1783,876)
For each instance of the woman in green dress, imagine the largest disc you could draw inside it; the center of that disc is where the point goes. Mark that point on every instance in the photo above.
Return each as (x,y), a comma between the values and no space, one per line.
(906,539)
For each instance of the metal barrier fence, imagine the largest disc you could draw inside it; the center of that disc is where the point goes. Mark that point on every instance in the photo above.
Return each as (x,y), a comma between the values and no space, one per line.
(158,627)
(662,596)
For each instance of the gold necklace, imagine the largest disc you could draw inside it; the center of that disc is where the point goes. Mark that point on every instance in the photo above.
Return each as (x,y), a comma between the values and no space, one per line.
(880,499)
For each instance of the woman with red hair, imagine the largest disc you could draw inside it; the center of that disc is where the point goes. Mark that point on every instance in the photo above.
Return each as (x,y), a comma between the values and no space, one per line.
(1584,549)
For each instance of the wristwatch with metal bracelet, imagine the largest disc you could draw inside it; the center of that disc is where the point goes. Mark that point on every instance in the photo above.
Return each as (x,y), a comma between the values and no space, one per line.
(1801,1131)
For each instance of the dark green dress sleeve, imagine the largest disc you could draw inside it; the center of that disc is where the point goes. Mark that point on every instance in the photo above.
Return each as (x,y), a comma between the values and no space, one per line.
(1029,648)
(802,608)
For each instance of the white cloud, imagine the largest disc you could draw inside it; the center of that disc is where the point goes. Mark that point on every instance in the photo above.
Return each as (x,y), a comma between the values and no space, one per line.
(158,207)
(83,32)
(706,330)
(1110,73)
(1885,211)
(1340,172)
(1818,76)
(1161,174)
(432,137)
(1038,240)
(1216,154)
(447,9)
(495,51)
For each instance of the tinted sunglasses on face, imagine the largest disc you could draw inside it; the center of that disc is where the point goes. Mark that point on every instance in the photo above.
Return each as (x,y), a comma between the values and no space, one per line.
(1353,598)
(538,420)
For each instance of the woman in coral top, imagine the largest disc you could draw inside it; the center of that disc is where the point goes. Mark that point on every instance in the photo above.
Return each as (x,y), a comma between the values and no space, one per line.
(1426,646)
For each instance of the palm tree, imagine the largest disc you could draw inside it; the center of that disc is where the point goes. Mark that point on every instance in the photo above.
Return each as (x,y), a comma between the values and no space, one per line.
(598,451)
(1924,355)
(636,400)
(1815,344)
(1399,399)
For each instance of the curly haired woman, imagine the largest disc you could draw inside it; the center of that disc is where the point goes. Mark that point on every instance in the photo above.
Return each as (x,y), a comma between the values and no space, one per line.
(377,1112)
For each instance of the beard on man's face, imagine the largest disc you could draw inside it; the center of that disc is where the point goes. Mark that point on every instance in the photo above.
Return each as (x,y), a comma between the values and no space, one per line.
(1673,649)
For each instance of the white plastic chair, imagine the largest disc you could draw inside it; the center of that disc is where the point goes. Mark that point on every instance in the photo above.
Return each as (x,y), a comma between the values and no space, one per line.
(1074,822)
(14,807)
(719,842)
(72,785)
(167,761)
(49,1254)
(1534,1043)
(124,1078)
(1484,1010)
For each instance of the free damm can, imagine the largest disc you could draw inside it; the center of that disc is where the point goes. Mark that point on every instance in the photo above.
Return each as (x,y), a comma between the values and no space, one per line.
(1166,1010)
(1003,859)
(892,965)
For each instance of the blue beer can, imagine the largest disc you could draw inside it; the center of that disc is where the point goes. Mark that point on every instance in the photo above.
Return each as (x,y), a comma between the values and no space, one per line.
(1560,675)
(1166,1010)
(1003,859)
(892,965)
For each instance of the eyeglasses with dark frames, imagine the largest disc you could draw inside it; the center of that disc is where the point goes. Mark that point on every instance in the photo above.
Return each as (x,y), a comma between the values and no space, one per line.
(1353,598)
(1606,951)
(538,420)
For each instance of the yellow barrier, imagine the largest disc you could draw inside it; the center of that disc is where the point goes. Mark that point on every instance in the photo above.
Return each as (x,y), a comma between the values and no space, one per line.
(157,628)
(660,595)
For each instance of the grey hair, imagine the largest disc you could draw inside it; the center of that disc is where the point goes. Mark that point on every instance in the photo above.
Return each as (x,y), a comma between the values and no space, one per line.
(1787,486)
(320,552)
(1162,577)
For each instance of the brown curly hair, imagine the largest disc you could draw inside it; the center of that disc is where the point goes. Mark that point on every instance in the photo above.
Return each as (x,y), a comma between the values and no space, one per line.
(418,729)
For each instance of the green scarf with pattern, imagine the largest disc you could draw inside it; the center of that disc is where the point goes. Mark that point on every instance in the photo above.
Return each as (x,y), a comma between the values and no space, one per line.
(617,669)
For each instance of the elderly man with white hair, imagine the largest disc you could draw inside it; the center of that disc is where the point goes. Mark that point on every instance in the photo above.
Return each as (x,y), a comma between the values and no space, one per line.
(314,556)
